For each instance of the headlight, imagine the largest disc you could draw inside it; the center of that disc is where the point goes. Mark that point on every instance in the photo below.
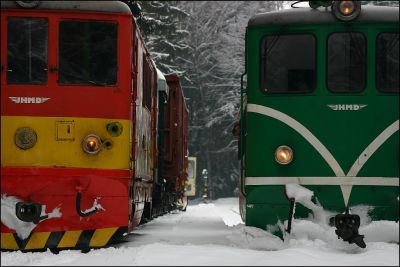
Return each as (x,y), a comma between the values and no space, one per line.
(346,10)
(25,138)
(283,155)
(91,144)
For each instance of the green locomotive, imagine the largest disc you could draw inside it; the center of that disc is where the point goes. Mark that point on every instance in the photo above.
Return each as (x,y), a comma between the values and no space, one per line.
(320,109)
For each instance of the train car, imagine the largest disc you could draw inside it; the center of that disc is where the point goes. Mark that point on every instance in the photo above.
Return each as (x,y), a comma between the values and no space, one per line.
(176,144)
(145,154)
(77,124)
(319,120)
(172,146)
(160,204)
(190,187)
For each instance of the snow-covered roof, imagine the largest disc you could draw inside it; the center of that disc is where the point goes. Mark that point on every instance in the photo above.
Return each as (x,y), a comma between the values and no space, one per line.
(161,82)
(100,6)
(306,15)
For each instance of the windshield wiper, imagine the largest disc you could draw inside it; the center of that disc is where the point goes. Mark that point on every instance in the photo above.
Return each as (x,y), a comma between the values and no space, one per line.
(81,79)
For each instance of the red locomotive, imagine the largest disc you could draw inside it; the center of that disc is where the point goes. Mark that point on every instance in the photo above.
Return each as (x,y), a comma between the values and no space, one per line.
(78,124)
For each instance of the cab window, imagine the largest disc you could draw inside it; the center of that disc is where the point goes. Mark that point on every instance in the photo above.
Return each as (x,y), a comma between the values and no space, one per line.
(346,62)
(88,53)
(387,62)
(26,50)
(288,63)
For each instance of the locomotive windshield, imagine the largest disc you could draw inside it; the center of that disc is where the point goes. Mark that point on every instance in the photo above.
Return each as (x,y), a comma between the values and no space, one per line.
(27,50)
(288,63)
(88,53)
(387,62)
(346,62)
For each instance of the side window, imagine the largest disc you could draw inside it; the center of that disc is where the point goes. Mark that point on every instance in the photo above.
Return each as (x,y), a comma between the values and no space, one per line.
(27,50)
(147,79)
(288,63)
(387,62)
(346,62)
(88,53)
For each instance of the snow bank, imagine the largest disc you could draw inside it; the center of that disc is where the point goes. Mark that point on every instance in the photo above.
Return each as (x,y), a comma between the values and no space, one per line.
(248,237)
(228,209)
(207,235)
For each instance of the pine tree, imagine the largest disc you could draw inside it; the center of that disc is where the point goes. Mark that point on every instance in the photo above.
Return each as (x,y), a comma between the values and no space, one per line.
(203,42)
(160,25)
(381,3)
(216,33)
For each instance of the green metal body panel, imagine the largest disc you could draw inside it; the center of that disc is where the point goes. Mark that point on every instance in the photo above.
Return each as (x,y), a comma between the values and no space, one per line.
(345,134)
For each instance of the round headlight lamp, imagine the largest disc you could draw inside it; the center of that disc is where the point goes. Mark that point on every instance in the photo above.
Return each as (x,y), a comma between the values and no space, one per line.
(25,138)
(346,10)
(91,144)
(283,155)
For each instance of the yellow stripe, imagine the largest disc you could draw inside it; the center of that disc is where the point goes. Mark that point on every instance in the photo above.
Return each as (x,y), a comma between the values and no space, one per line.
(102,236)
(69,239)
(59,143)
(37,240)
(8,241)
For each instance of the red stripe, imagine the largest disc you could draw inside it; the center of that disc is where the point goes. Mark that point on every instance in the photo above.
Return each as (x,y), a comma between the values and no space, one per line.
(27,181)
(68,102)
(68,172)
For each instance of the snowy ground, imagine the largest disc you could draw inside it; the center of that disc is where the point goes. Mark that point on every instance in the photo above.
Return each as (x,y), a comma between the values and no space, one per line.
(214,235)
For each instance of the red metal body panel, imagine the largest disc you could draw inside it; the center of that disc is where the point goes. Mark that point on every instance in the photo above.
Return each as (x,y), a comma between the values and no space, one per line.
(145,115)
(67,100)
(176,134)
(58,188)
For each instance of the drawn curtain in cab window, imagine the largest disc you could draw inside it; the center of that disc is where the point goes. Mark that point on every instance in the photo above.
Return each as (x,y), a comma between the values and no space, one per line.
(88,53)
(27,50)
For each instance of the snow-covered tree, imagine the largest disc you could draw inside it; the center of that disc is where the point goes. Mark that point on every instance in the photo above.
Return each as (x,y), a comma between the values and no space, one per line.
(381,3)
(160,24)
(203,42)
(216,32)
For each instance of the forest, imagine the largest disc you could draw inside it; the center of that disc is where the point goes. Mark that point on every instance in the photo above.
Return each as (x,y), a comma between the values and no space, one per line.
(203,42)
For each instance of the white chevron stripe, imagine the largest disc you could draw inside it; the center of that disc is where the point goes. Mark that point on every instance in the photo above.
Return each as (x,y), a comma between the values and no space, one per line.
(342,180)
(370,150)
(303,131)
(324,152)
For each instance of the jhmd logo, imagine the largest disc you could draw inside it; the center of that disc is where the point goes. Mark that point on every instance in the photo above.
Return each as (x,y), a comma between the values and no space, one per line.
(347,106)
(28,100)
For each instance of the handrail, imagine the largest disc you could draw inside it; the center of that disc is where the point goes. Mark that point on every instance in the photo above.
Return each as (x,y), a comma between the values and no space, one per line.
(242,108)
(78,206)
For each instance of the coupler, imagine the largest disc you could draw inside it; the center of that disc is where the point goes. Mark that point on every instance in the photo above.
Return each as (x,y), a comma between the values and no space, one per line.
(347,228)
(29,212)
